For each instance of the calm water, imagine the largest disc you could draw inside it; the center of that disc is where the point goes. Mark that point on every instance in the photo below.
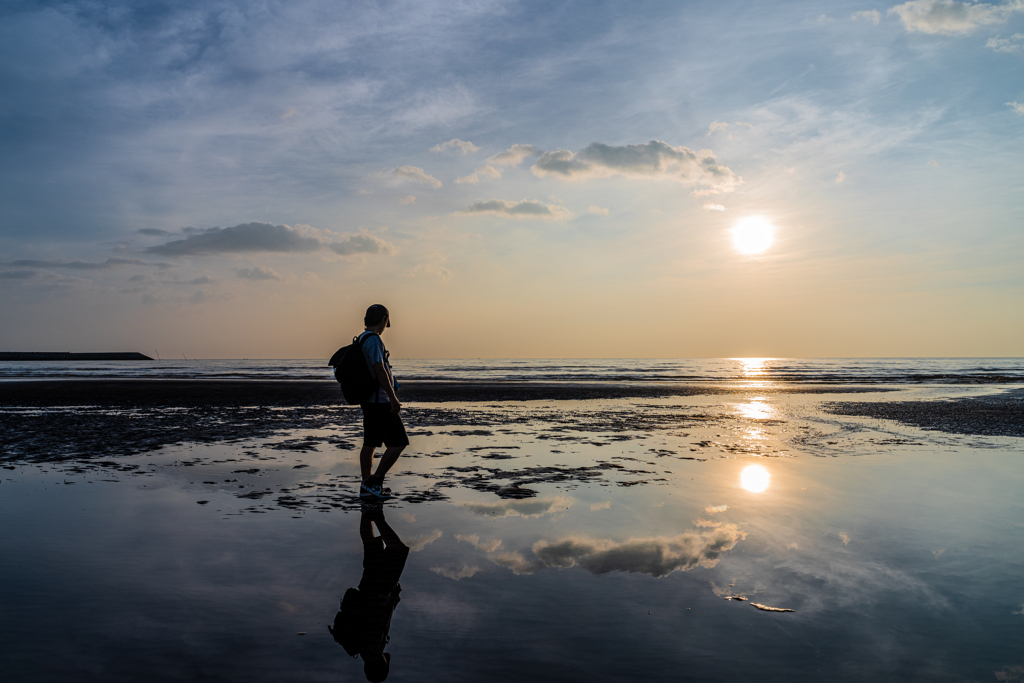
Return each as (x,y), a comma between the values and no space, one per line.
(710,370)
(549,541)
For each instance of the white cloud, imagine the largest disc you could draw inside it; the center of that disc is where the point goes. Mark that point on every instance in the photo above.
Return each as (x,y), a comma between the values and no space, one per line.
(408,199)
(654,159)
(418,543)
(1016,106)
(290,112)
(514,155)
(456,573)
(947,17)
(599,210)
(474,177)
(438,271)
(362,243)
(715,509)
(933,163)
(655,556)
(455,144)
(474,540)
(871,15)
(716,125)
(527,208)
(257,273)
(517,563)
(1012,45)
(845,538)
(708,206)
(528,507)
(825,19)
(606,505)
(416,174)
(840,177)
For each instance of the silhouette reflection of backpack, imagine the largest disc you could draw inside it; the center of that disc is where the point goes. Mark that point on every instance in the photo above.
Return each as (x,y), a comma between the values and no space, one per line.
(349,363)
(363,622)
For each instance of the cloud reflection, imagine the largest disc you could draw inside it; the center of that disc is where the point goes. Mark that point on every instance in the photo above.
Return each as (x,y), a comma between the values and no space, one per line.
(529,507)
(654,556)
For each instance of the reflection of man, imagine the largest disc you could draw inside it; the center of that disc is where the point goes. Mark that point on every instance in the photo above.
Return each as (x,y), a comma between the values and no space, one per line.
(362,625)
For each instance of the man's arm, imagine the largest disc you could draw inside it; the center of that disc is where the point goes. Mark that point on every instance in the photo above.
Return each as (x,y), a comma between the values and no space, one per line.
(385,383)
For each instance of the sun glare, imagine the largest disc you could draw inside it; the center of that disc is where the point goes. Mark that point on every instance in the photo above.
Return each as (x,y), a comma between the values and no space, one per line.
(753,235)
(755,478)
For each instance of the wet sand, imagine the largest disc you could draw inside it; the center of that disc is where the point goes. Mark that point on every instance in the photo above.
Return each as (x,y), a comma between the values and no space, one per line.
(194,529)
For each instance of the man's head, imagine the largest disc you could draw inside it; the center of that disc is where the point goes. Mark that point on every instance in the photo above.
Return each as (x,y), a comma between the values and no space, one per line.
(377,667)
(375,315)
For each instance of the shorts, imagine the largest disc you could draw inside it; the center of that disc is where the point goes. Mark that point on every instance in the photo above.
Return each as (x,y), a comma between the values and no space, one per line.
(380,425)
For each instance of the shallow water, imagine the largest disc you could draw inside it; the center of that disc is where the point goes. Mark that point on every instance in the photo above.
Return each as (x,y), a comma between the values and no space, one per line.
(585,540)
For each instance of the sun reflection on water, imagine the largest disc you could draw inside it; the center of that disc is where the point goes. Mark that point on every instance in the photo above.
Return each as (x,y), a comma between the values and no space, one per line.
(757,409)
(755,478)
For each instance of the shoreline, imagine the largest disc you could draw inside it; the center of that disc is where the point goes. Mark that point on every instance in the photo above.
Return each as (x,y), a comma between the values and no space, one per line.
(174,392)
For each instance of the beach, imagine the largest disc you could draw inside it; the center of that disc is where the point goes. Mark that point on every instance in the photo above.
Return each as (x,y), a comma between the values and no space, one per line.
(183,529)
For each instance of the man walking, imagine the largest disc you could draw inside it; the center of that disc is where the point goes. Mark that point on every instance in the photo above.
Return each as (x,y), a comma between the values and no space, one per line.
(381,422)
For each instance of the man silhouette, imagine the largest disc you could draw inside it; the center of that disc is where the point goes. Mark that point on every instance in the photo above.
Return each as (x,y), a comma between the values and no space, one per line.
(363,623)
(381,422)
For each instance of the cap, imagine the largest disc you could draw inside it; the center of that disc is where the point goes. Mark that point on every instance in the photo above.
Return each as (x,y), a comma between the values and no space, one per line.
(376,313)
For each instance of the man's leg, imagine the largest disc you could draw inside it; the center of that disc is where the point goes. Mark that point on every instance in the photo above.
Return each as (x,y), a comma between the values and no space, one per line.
(366,461)
(386,462)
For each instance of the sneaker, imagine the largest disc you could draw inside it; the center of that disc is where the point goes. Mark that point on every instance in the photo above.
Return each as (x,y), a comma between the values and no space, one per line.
(374,490)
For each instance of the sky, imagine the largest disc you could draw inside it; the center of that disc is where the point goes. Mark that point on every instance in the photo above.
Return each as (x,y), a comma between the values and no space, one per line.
(513,179)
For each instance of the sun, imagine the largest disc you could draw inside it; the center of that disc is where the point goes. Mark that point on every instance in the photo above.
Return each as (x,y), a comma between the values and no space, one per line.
(755,478)
(753,235)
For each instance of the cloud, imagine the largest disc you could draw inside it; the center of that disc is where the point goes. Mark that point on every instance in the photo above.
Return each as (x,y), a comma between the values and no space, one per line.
(17,274)
(708,206)
(871,15)
(455,144)
(514,155)
(415,174)
(474,540)
(529,507)
(654,159)
(265,237)
(517,563)
(1016,106)
(438,271)
(845,538)
(706,523)
(933,163)
(418,543)
(408,199)
(1012,45)
(825,19)
(474,177)
(947,17)
(456,574)
(84,265)
(654,556)
(362,243)
(599,210)
(840,177)
(246,237)
(202,280)
(199,296)
(257,273)
(715,509)
(716,125)
(606,505)
(528,208)
(153,231)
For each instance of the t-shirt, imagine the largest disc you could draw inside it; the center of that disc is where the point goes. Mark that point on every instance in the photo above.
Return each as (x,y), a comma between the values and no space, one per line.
(373,351)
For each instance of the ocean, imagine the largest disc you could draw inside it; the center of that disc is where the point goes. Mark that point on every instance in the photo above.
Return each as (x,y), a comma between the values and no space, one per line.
(902,371)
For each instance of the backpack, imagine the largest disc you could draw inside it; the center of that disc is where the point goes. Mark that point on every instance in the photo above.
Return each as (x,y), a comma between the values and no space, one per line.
(357,382)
